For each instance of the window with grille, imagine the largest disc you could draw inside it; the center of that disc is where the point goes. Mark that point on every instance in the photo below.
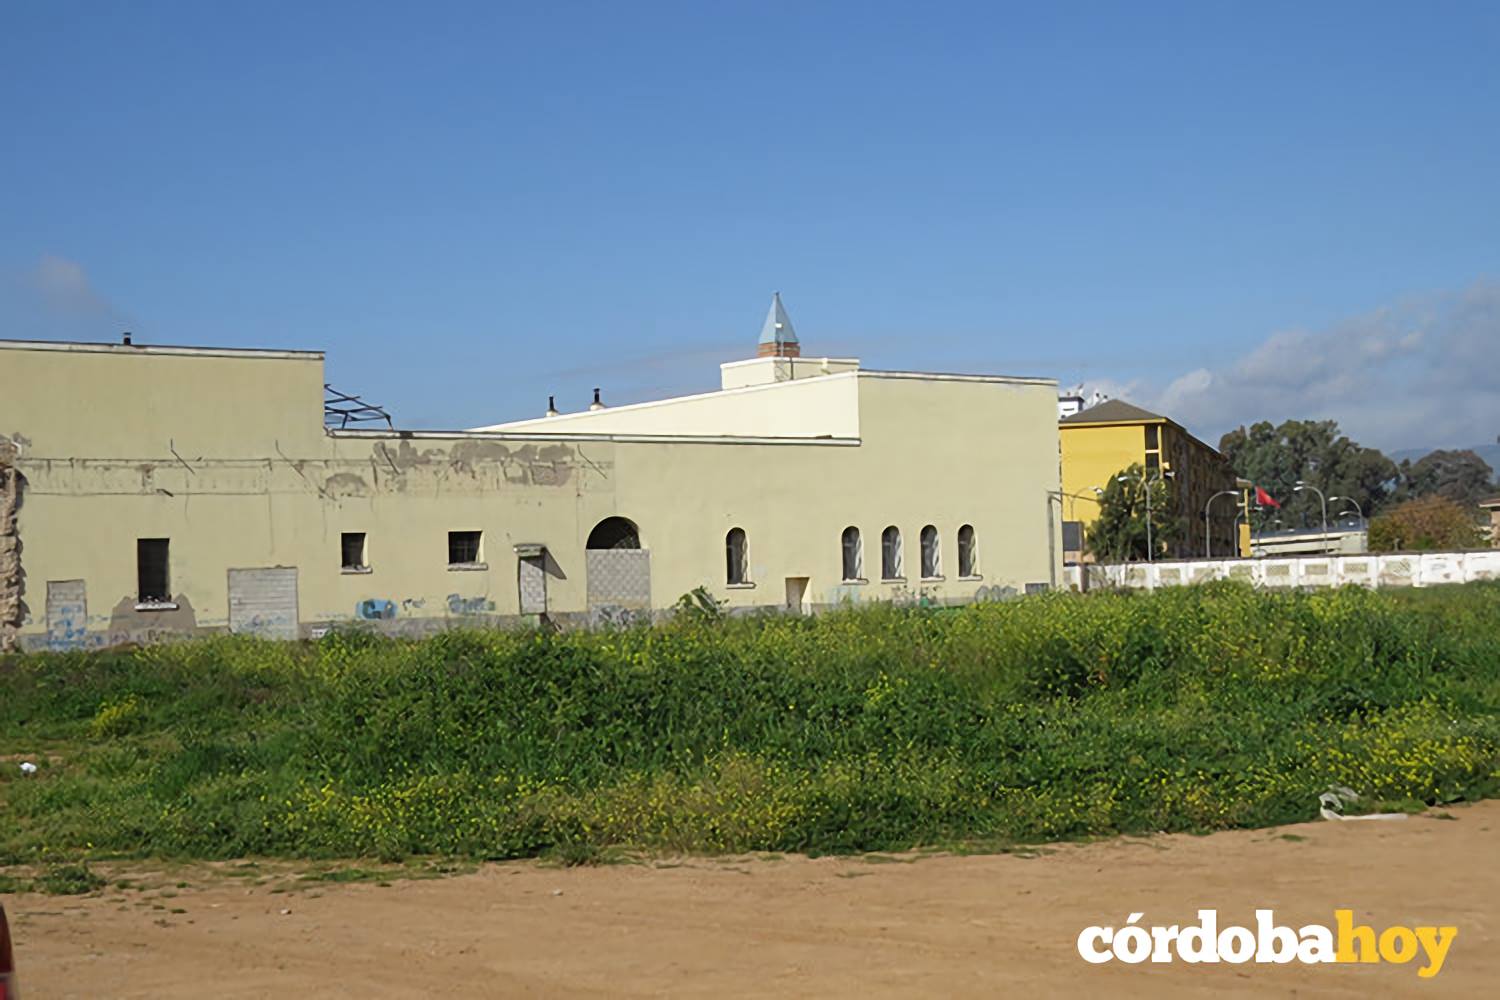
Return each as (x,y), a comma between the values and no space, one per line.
(968,555)
(890,553)
(932,566)
(738,570)
(854,568)
(463,547)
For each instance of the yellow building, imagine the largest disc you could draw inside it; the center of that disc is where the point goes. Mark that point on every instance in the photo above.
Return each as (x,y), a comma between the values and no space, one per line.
(1100,442)
(148,492)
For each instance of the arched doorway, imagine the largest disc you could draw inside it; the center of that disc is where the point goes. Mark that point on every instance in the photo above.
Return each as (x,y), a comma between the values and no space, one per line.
(619,571)
(615,533)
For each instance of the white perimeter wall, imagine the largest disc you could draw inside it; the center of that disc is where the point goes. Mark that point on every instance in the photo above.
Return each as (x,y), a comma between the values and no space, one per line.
(1405,569)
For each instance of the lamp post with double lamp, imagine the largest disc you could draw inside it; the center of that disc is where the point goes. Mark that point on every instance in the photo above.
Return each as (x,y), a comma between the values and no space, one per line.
(1322,500)
(1357,508)
(1208,545)
(1146,482)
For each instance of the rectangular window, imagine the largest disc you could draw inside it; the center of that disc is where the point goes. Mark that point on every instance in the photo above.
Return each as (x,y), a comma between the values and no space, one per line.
(1153,437)
(1072,536)
(463,548)
(153,582)
(1153,460)
(352,550)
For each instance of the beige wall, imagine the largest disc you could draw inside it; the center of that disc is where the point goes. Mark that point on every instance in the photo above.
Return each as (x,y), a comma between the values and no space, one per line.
(135,402)
(812,407)
(759,371)
(260,484)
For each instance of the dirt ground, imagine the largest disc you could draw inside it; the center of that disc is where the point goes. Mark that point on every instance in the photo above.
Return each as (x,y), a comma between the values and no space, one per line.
(946,925)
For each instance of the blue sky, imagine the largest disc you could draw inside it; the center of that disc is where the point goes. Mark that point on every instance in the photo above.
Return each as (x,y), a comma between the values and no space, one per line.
(1238,211)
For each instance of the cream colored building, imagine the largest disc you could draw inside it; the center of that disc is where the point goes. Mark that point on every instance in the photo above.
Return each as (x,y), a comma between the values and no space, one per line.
(148,492)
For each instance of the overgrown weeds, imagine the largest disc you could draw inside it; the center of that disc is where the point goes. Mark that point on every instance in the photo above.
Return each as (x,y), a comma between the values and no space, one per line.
(870,729)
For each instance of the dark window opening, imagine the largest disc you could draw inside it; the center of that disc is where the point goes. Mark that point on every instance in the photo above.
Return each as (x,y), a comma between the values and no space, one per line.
(1153,460)
(1072,536)
(890,553)
(853,554)
(734,552)
(932,566)
(463,547)
(352,550)
(615,533)
(153,583)
(967,561)
(1153,437)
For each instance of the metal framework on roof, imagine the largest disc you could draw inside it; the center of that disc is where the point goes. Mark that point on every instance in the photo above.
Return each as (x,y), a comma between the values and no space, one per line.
(341,409)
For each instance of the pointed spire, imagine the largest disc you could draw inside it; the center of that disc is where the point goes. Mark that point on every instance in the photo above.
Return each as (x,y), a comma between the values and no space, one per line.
(777,338)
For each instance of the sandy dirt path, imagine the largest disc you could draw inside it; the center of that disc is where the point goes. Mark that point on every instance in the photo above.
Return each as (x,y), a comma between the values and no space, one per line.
(919,926)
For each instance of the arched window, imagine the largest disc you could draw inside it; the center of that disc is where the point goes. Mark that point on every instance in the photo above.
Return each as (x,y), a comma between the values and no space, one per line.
(734,553)
(968,555)
(932,560)
(854,555)
(615,533)
(890,553)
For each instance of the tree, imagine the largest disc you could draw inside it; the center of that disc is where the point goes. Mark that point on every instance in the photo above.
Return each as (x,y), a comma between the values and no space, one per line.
(1460,476)
(1277,457)
(1425,524)
(1119,534)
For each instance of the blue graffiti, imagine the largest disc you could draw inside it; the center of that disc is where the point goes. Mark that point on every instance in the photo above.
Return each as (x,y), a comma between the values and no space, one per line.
(374,609)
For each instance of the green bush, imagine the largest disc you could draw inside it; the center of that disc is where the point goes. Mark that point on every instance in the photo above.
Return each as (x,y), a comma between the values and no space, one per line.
(874,728)
(115,718)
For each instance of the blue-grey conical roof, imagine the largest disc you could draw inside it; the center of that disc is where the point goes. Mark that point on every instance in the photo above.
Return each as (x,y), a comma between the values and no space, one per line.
(778,327)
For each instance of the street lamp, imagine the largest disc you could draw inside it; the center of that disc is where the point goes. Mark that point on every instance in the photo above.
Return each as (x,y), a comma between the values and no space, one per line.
(1146,482)
(1322,500)
(1357,508)
(1208,545)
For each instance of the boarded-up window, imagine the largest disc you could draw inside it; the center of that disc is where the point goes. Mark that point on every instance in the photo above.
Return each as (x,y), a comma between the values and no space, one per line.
(153,579)
(532,584)
(263,602)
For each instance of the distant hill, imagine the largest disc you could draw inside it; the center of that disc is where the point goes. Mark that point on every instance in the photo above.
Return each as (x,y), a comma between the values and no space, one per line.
(1489,452)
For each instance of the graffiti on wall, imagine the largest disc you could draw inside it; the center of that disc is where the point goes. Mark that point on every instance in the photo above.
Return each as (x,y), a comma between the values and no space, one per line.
(374,609)
(460,605)
(67,614)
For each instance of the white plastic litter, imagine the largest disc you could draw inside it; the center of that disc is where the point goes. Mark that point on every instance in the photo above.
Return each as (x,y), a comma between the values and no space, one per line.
(1332,802)
(27,767)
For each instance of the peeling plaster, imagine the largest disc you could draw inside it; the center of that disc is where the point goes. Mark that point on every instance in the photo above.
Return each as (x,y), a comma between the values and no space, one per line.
(124,618)
(13,612)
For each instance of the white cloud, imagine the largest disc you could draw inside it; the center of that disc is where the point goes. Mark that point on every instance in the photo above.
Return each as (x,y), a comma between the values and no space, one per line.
(63,285)
(1421,373)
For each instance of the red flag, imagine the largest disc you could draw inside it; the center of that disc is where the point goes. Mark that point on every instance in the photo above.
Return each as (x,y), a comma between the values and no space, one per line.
(1264,499)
